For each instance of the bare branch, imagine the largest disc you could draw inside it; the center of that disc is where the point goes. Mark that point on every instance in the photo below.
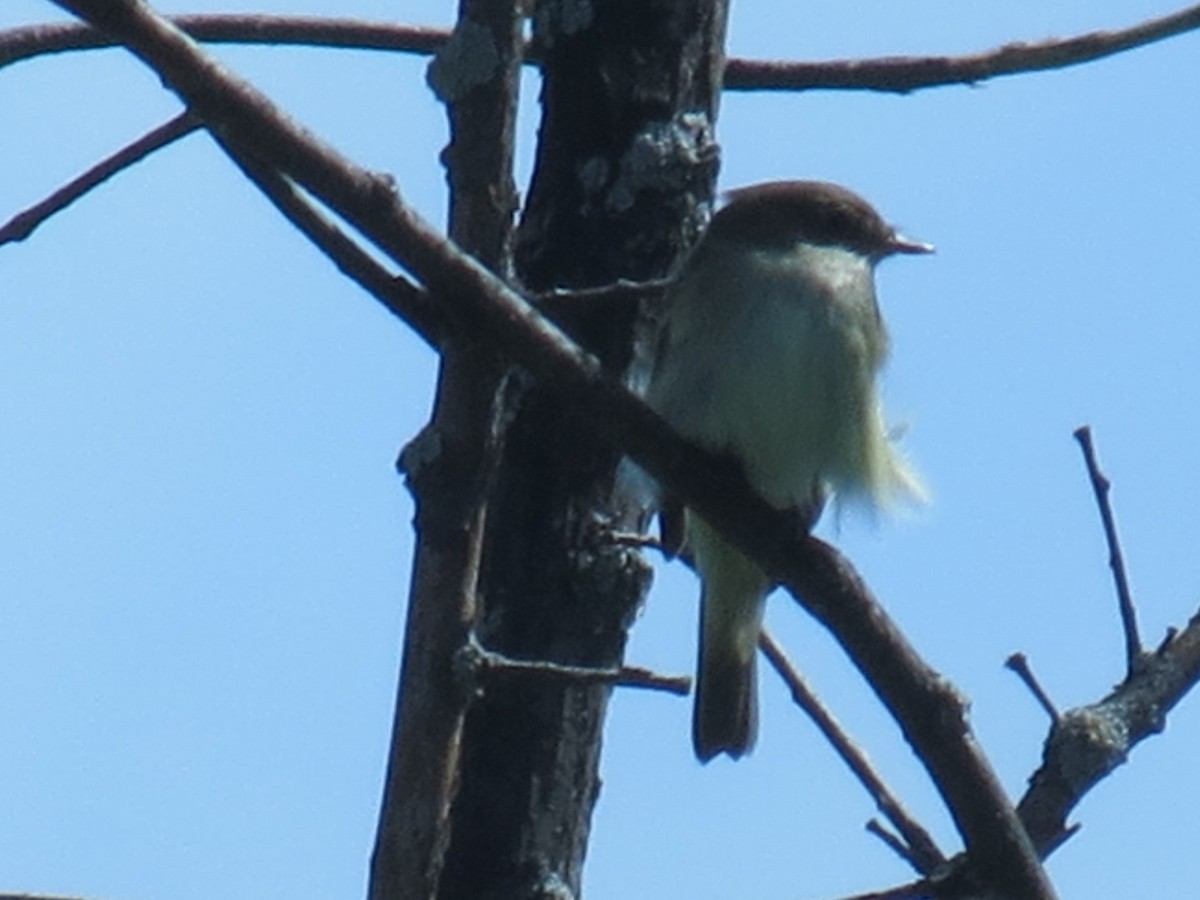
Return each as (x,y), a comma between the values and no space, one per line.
(1091,741)
(399,296)
(19,44)
(897,74)
(1019,664)
(1116,559)
(905,74)
(894,843)
(641,677)
(23,223)
(618,292)
(919,847)
(931,713)
(478,659)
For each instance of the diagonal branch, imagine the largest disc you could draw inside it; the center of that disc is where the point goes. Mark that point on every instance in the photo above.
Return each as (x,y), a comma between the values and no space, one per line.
(398,295)
(25,222)
(1089,742)
(1019,663)
(919,845)
(931,713)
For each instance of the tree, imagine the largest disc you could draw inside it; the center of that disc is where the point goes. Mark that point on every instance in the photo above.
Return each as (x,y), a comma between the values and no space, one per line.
(411,245)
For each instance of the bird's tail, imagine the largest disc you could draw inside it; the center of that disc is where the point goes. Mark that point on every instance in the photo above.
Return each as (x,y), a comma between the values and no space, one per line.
(725,716)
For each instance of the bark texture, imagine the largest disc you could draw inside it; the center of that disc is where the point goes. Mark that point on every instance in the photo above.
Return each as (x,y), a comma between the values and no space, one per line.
(625,169)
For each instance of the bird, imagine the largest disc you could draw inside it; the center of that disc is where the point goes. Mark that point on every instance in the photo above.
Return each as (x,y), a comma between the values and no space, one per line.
(769,351)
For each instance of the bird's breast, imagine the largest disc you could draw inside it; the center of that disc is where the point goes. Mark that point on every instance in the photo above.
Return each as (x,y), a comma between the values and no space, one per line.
(772,357)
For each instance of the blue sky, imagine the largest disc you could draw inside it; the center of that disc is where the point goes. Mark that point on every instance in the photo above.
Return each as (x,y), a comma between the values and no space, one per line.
(204,549)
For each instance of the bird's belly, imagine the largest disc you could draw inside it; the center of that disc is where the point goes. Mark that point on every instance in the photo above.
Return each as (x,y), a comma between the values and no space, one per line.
(786,391)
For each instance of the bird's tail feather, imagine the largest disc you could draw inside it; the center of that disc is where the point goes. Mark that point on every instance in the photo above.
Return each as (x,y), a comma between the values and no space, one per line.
(725,715)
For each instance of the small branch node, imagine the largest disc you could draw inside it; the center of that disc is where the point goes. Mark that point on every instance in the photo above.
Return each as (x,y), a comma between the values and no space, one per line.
(639,542)
(469,665)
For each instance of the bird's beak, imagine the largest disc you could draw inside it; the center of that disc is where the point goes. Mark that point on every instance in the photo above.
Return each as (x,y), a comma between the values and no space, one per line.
(901,244)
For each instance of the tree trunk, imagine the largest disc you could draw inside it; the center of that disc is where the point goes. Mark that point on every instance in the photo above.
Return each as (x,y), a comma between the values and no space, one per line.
(625,169)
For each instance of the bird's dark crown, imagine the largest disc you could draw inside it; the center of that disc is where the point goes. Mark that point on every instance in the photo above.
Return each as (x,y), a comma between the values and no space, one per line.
(781,213)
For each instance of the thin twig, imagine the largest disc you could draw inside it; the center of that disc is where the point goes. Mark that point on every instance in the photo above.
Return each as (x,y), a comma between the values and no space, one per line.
(399,296)
(23,223)
(621,290)
(897,74)
(641,677)
(1116,559)
(476,657)
(894,843)
(1019,664)
(930,710)
(922,851)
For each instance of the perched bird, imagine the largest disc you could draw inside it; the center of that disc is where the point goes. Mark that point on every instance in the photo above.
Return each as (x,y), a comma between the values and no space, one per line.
(770,348)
